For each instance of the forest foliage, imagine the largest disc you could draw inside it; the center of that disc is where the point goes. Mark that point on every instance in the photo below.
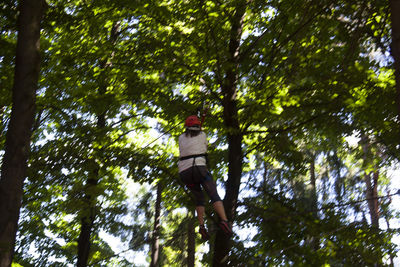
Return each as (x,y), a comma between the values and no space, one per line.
(289,85)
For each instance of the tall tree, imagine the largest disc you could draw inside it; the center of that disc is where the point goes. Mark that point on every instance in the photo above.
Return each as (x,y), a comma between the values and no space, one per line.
(13,171)
(155,242)
(371,178)
(395,45)
(191,243)
(95,131)
(89,211)
(296,68)
(229,89)
(313,197)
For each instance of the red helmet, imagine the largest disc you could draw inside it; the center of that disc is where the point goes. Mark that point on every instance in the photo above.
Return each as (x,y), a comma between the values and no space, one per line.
(192,121)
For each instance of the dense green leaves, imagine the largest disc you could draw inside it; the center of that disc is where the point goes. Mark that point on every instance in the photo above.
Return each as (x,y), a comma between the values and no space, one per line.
(118,79)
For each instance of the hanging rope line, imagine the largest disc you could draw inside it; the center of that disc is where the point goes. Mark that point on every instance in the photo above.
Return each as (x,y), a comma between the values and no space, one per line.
(202,115)
(161,135)
(325,207)
(329,206)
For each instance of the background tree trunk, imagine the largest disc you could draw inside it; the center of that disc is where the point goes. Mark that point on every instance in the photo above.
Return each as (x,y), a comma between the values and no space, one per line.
(314,199)
(87,220)
(89,208)
(13,171)
(395,48)
(371,182)
(89,211)
(234,136)
(155,239)
(313,189)
(191,245)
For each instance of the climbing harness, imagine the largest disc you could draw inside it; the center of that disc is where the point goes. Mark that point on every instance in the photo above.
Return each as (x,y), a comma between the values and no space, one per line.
(194,166)
(194,170)
(194,157)
(193,123)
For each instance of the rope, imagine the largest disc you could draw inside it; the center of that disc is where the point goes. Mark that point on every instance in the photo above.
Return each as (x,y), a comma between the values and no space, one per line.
(154,140)
(357,201)
(203,115)
(177,178)
(326,207)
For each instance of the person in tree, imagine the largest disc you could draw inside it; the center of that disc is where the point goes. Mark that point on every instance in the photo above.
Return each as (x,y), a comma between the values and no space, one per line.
(195,175)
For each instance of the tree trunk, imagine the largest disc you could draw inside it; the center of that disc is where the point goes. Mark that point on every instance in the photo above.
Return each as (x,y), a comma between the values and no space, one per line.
(191,245)
(371,181)
(1,118)
(89,211)
(387,220)
(234,136)
(395,47)
(155,239)
(17,146)
(313,189)
(87,220)
(314,242)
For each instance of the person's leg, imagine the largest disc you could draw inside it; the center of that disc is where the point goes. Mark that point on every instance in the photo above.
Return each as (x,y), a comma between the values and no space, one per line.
(188,177)
(211,189)
(219,209)
(200,210)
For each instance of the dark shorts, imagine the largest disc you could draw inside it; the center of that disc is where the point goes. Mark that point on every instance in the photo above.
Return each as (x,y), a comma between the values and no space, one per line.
(198,178)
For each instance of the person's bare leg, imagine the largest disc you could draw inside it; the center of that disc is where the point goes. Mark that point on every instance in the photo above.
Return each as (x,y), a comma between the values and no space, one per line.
(202,229)
(219,209)
(223,224)
(200,210)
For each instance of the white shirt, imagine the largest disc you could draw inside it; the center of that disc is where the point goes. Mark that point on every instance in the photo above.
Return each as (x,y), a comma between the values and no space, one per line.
(192,146)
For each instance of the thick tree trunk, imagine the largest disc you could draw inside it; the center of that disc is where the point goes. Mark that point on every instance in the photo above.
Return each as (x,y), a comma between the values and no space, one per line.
(89,210)
(191,245)
(87,220)
(234,137)
(155,239)
(395,47)
(84,240)
(13,171)
(395,50)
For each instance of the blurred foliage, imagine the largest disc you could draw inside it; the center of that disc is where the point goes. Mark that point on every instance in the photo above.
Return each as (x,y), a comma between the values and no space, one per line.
(310,75)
